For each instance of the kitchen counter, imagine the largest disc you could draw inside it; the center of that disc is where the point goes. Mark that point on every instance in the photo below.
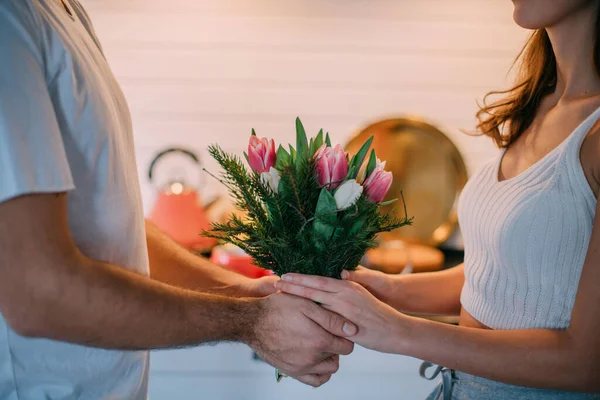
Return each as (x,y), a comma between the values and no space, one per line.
(229,371)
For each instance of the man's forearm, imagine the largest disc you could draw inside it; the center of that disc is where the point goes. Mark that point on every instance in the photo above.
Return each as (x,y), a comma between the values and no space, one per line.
(172,264)
(429,293)
(97,304)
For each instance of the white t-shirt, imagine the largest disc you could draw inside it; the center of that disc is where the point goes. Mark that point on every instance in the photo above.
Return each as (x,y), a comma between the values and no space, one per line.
(65,127)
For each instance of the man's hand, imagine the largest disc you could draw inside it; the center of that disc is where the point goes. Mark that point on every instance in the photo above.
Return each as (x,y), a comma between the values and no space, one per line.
(242,286)
(301,338)
(260,287)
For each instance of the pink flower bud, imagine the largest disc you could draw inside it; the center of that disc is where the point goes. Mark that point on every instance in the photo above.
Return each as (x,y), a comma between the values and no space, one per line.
(332,166)
(378,183)
(261,154)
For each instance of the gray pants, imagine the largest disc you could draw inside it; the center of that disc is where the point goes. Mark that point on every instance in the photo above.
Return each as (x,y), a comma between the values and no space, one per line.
(460,386)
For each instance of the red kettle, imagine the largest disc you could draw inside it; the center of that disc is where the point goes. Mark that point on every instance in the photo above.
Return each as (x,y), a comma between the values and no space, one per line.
(178,210)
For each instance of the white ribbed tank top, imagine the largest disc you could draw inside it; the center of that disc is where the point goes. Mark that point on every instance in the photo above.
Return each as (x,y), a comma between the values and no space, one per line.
(526,238)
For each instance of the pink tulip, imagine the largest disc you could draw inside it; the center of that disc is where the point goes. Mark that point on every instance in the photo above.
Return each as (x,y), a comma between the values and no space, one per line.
(378,183)
(261,154)
(332,166)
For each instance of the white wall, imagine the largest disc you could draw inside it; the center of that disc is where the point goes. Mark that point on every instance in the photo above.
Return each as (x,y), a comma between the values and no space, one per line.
(200,71)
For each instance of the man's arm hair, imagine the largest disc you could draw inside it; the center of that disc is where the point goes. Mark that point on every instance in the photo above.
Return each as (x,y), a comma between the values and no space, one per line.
(49,289)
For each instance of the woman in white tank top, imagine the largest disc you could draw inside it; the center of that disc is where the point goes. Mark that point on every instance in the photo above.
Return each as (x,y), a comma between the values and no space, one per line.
(528,292)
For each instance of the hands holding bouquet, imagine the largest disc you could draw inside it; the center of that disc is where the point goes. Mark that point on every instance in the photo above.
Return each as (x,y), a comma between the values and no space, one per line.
(311,210)
(380,327)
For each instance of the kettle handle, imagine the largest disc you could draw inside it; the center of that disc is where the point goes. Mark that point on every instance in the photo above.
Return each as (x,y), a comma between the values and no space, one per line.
(186,152)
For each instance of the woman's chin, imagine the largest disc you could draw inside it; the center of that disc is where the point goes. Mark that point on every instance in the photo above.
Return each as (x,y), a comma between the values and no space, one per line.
(527,19)
(525,24)
(541,14)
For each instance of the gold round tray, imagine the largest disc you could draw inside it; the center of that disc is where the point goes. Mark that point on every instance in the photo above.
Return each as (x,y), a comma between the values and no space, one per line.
(429,171)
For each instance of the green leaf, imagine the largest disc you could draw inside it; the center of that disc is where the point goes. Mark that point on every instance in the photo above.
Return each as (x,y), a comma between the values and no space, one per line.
(292,155)
(247,159)
(325,216)
(283,158)
(301,142)
(358,159)
(326,207)
(316,143)
(371,164)
(358,225)
(253,132)
(328,140)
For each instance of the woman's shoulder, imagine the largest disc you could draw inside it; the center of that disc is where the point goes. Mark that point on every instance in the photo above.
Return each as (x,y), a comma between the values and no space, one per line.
(590,157)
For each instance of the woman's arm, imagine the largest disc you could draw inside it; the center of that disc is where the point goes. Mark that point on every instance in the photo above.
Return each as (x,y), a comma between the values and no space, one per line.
(425,293)
(541,358)
(567,359)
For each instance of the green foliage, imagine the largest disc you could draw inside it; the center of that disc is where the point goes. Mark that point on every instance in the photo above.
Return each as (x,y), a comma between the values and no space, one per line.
(301,143)
(371,164)
(325,217)
(316,143)
(298,229)
(283,158)
(357,161)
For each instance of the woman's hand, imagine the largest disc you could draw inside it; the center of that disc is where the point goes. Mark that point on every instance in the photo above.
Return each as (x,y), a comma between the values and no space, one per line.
(380,327)
(383,286)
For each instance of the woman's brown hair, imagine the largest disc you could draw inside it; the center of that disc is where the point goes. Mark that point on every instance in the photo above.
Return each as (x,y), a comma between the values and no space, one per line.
(506,119)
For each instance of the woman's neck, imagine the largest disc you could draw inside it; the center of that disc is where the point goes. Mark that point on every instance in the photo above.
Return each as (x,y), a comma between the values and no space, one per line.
(573,41)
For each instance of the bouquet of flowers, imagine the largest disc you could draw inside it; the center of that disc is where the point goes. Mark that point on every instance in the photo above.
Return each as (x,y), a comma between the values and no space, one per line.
(310,210)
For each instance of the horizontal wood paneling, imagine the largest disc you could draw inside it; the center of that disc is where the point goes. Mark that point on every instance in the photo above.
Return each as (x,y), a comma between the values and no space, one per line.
(200,71)
(368,9)
(255,68)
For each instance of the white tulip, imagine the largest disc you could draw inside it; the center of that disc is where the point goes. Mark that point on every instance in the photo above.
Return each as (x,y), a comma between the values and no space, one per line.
(347,194)
(271,179)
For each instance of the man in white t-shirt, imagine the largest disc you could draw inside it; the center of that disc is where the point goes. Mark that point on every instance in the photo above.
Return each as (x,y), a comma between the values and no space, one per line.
(86,287)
